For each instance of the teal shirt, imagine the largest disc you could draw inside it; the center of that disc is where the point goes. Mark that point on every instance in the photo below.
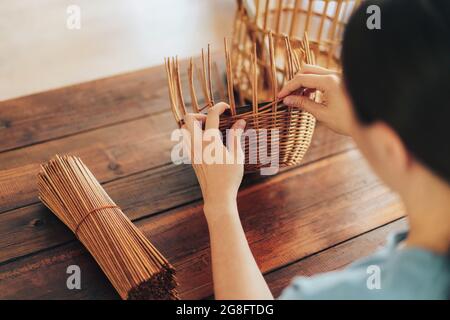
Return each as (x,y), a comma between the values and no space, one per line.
(391,273)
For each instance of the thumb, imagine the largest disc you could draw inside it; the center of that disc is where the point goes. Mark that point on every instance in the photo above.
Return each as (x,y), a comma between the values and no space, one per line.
(235,139)
(305,103)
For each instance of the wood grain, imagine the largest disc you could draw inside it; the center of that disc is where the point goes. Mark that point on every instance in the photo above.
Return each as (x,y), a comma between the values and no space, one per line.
(139,195)
(70,110)
(110,152)
(286,218)
(120,127)
(62,112)
(114,152)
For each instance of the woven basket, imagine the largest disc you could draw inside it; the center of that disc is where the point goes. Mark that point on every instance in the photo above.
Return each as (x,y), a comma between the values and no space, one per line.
(322,20)
(293,127)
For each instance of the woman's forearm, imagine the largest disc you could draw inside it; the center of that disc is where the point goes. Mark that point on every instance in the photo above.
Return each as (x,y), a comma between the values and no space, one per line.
(235,272)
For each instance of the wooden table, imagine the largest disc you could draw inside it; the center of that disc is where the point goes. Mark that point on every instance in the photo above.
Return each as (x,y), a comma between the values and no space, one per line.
(316,217)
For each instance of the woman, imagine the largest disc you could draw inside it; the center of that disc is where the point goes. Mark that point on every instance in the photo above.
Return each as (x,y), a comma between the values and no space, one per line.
(394,101)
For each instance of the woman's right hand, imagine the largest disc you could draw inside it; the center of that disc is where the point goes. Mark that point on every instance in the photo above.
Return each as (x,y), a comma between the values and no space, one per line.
(334,108)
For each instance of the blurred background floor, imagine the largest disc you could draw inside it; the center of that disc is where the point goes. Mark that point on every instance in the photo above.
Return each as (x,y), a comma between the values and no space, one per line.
(38,52)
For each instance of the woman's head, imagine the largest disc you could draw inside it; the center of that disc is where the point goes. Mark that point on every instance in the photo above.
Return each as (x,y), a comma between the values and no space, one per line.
(398,78)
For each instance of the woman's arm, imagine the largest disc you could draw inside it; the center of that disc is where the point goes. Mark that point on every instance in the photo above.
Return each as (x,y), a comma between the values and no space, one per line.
(235,272)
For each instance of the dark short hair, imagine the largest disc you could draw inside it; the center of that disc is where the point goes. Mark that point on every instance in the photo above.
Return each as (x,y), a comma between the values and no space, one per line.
(400,74)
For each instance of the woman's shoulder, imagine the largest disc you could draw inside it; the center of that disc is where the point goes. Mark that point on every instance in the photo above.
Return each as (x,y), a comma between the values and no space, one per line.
(390,273)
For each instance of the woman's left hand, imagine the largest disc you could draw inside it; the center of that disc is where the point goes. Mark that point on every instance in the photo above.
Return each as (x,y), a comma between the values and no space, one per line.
(235,272)
(220,172)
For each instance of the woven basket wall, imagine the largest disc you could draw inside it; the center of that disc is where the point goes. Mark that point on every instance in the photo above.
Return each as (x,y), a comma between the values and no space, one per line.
(322,20)
(295,130)
(294,127)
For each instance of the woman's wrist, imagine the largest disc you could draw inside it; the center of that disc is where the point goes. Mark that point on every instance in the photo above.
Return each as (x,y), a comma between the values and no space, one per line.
(217,211)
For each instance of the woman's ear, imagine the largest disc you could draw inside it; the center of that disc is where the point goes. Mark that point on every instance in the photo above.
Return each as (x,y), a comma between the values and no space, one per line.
(391,147)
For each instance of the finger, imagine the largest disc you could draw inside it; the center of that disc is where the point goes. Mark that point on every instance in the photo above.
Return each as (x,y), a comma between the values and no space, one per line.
(313,69)
(213,118)
(193,119)
(303,92)
(187,145)
(201,118)
(305,103)
(310,81)
(196,116)
(235,138)
(193,126)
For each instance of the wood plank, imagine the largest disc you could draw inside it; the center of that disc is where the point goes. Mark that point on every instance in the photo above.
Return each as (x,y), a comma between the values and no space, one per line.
(32,228)
(114,152)
(61,112)
(87,106)
(286,218)
(90,105)
(110,152)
